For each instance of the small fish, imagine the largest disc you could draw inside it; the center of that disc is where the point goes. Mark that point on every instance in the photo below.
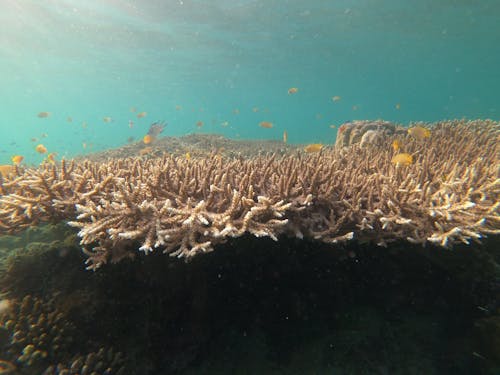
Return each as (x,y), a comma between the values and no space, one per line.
(398,106)
(188,156)
(236,111)
(51,157)
(17,159)
(147,139)
(133,109)
(285,137)
(419,132)
(142,114)
(402,159)
(255,109)
(332,126)
(319,116)
(69,119)
(224,123)
(44,135)
(84,125)
(199,124)
(313,147)
(130,124)
(336,98)
(178,107)
(293,90)
(84,145)
(396,145)
(354,107)
(156,128)
(43,114)
(266,124)
(107,119)
(34,139)
(41,149)
(130,139)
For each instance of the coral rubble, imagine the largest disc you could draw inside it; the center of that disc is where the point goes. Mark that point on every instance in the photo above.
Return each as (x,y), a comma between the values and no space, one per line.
(186,206)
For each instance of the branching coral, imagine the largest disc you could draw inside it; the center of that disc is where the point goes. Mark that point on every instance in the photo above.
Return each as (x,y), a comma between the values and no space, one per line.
(184,207)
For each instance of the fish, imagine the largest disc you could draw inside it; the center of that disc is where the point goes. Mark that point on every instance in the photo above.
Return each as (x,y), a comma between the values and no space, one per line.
(107,119)
(133,109)
(34,139)
(313,147)
(402,159)
(255,109)
(224,124)
(147,139)
(51,157)
(336,98)
(199,124)
(156,128)
(188,156)
(266,124)
(178,107)
(130,124)
(236,111)
(84,125)
(398,106)
(17,159)
(69,119)
(354,107)
(6,170)
(41,149)
(396,145)
(332,126)
(43,114)
(285,137)
(44,135)
(419,132)
(293,90)
(84,145)
(130,139)
(142,114)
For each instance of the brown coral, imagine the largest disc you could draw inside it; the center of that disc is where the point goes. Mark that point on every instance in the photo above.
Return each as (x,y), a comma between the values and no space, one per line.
(184,207)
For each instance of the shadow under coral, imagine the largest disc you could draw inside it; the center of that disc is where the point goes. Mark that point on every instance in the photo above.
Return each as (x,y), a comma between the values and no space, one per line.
(259,306)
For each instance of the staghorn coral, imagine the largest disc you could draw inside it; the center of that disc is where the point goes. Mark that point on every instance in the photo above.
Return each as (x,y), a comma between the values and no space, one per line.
(184,207)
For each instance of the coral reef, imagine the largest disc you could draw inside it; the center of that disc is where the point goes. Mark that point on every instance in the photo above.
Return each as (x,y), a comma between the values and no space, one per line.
(187,206)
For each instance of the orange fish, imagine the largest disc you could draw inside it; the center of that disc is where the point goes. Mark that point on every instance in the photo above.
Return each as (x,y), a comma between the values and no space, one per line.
(43,114)
(199,124)
(17,159)
(142,114)
(402,159)
(336,98)
(396,145)
(147,139)
(41,149)
(266,124)
(293,90)
(314,147)
(285,137)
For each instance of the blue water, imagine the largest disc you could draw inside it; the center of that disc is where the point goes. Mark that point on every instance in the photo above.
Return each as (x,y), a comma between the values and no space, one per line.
(96,58)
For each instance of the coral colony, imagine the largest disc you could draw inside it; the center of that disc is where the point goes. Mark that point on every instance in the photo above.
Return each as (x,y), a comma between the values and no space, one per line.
(449,193)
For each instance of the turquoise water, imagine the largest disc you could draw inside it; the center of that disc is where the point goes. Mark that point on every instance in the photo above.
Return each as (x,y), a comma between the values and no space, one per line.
(189,61)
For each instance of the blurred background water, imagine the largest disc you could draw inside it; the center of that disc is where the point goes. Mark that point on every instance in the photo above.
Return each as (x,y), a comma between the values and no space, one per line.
(229,64)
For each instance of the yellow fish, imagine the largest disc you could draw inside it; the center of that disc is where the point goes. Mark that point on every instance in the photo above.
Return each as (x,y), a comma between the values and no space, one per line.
(293,90)
(43,114)
(402,159)
(285,137)
(41,149)
(147,139)
(313,147)
(396,145)
(266,124)
(336,98)
(188,156)
(419,132)
(17,159)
